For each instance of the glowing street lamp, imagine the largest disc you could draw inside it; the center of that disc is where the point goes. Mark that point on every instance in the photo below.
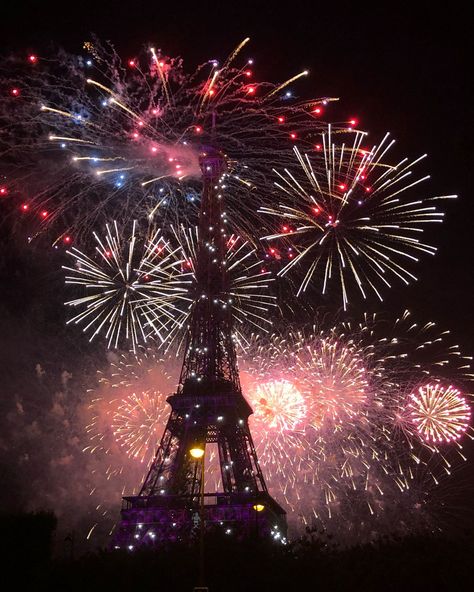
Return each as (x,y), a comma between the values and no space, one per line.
(258,508)
(197,452)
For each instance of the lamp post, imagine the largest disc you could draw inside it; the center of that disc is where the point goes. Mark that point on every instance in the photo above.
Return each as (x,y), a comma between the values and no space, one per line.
(197,452)
(258,508)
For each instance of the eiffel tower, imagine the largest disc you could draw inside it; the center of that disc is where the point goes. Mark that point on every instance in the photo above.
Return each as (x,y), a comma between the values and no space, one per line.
(207,409)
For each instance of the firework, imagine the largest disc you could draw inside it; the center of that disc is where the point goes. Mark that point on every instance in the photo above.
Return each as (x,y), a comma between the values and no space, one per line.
(336,451)
(124,419)
(138,422)
(247,285)
(330,408)
(439,413)
(127,412)
(128,286)
(94,138)
(355,453)
(278,405)
(337,376)
(351,217)
(277,422)
(139,288)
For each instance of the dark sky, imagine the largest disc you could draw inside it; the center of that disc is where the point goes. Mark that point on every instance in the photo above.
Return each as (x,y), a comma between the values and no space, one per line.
(403,70)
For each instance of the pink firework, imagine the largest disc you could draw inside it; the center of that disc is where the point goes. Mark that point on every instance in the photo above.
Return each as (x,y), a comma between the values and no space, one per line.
(138,422)
(334,375)
(356,454)
(127,412)
(439,413)
(278,404)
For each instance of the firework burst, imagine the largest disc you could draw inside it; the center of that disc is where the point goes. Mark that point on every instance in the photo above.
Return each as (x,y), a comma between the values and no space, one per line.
(439,413)
(337,375)
(278,405)
(138,422)
(330,408)
(277,422)
(127,287)
(356,451)
(140,288)
(96,138)
(352,217)
(127,412)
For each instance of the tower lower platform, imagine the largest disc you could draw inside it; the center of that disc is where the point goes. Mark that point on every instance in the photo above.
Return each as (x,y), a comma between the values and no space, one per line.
(158,520)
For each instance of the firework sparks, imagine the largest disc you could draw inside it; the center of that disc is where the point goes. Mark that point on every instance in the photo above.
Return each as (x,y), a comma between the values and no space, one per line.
(353,218)
(138,422)
(127,287)
(326,422)
(139,288)
(278,405)
(125,418)
(127,412)
(122,140)
(439,413)
(336,375)
(354,452)
(330,406)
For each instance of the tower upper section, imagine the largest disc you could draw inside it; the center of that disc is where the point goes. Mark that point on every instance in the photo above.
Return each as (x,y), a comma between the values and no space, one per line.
(210,361)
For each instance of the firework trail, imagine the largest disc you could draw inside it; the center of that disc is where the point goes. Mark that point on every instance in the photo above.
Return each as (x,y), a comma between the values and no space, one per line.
(351,217)
(91,138)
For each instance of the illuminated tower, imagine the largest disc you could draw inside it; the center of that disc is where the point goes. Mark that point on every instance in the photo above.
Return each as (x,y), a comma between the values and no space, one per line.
(208,408)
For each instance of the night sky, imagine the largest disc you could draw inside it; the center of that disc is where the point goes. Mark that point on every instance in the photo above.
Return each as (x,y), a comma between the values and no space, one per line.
(406,71)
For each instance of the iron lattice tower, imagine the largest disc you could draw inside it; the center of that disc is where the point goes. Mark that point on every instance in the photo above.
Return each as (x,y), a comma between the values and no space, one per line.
(208,407)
